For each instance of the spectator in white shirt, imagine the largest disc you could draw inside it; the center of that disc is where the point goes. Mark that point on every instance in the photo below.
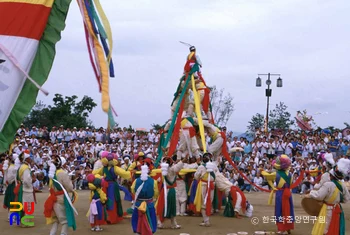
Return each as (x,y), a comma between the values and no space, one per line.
(99,136)
(151,136)
(258,180)
(53,135)
(264,146)
(280,147)
(289,148)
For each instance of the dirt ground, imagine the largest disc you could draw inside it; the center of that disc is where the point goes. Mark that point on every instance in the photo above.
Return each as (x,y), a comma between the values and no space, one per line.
(220,225)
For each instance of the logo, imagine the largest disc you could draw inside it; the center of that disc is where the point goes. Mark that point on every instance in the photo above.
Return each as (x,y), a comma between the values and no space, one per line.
(28,213)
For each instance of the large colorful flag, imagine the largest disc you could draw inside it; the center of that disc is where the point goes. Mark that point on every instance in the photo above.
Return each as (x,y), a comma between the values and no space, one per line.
(29,31)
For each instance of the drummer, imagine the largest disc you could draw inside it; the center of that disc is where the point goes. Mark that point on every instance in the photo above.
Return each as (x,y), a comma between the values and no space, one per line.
(332,193)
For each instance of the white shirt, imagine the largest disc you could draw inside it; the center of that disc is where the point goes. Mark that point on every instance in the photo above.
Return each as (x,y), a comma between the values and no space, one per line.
(258,180)
(289,148)
(271,148)
(264,146)
(151,137)
(99,137)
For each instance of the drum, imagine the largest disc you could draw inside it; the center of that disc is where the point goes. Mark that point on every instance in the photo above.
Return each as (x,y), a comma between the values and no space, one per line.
(242,233)
(311,206)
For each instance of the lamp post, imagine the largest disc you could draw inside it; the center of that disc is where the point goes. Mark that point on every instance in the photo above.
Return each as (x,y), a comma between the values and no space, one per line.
(268,91)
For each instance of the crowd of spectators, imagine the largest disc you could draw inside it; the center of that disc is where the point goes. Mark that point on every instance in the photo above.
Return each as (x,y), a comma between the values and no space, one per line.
(80,146)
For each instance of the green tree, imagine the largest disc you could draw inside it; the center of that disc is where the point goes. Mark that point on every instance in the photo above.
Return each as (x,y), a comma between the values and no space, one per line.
(280,118)
(156,127)
(257,121)
(65,111)
(222,106)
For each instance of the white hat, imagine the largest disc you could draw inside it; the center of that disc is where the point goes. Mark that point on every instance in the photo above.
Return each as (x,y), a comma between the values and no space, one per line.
(328,157)
(341,169)
(25,156)
(144,172)
(344,166)
(63,161)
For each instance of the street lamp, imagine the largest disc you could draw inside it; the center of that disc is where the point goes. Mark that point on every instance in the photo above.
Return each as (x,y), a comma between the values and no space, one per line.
(258,82)
(268,91)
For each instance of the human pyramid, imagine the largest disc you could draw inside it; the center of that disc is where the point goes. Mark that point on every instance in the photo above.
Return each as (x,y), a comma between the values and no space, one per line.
(183,180)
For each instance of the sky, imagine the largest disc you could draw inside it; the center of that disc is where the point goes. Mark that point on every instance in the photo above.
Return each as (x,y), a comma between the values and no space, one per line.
(306,41)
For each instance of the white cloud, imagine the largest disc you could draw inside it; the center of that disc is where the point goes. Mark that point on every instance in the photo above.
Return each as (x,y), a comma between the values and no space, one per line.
(305,41)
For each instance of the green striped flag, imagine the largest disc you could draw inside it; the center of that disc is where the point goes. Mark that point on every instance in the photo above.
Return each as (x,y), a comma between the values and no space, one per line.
(29,31)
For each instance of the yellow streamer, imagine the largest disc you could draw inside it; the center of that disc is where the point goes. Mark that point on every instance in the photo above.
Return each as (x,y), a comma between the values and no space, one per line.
(190,55)
(101,61)
(198,113)
(198,198)
(107,27)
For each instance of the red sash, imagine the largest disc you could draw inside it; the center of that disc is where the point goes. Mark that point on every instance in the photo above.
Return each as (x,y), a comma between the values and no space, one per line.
(334,226)
(206,99)
(208,202)
(192,131)
(50,201)
(233,192)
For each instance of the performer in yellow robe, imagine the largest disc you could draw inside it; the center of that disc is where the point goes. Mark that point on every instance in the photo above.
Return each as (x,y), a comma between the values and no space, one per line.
(332,193)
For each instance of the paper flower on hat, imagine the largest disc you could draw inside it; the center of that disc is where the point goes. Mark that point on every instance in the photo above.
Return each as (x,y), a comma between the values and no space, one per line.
(17,163)
(104,154)
(110,157)
(343,166)
(136,156)
(328,159)
(6,165)
(90,178)
(14,156)
(52,171)
(141,154)
(63,161)
(282,163)
(144,172)
(164,167)
(115,156)
(104,161)
(210,166)
(321,155)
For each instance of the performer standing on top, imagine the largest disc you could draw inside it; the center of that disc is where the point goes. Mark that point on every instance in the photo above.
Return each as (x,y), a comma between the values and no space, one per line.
(192,59)
(332,193)
(58,207)
(145,189)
